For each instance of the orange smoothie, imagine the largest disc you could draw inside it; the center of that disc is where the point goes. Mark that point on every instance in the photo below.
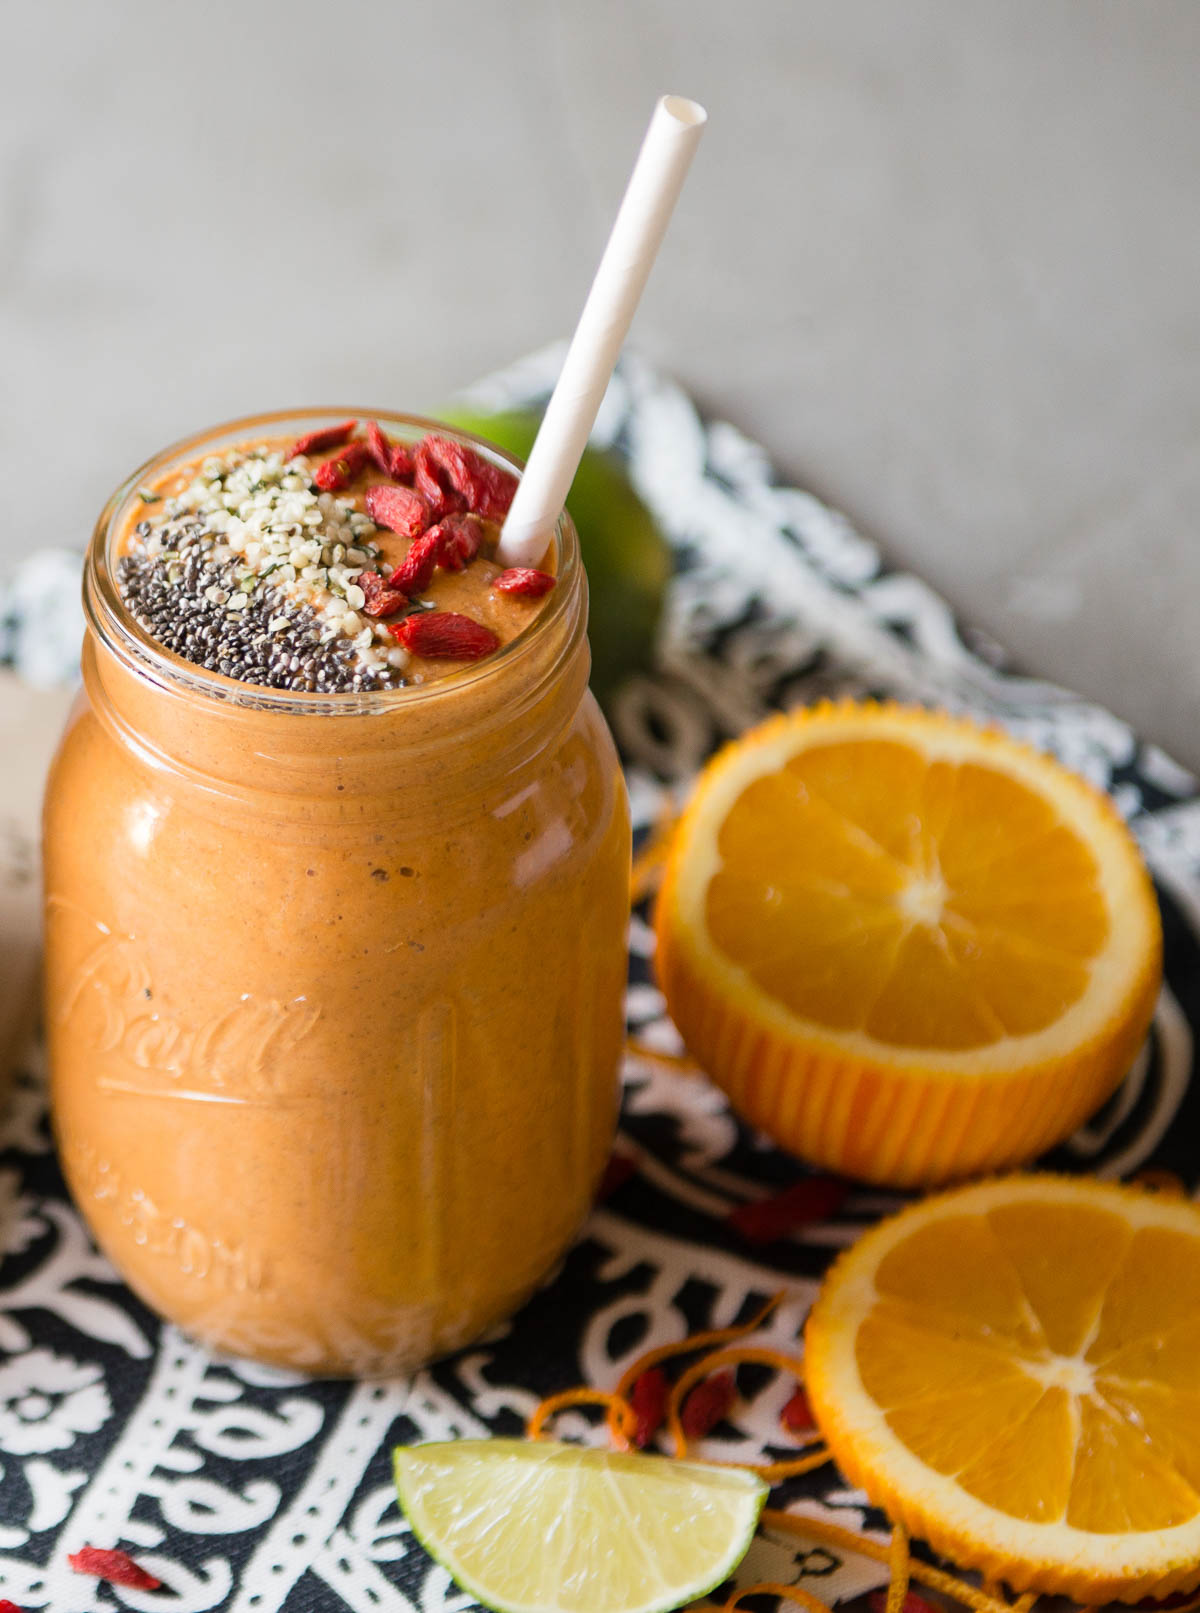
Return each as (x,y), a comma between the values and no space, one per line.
(335,923)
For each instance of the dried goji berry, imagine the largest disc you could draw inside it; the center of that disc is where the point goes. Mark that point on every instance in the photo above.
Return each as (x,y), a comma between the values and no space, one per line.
(912,1603)
(707,1404)
(524,582)
(815,1198)
(401,467)
(491,490)
(485,488)
(335,473)
(379,447)
(118,1567)
(415,572)
(316,442)
(397,508)
(435,488)
(444,635)
(430,489)
(382,598)
(649,1397)
(617,1171)
(796,1417)
(459,537)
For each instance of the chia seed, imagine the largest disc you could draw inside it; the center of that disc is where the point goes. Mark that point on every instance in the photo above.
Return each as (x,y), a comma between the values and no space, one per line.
(253,572)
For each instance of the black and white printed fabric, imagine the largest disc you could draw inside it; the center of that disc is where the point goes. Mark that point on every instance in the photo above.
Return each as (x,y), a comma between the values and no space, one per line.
(260,1491)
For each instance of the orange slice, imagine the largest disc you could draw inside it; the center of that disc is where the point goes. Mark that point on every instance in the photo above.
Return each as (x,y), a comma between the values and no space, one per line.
(1012,1371)
(909,948)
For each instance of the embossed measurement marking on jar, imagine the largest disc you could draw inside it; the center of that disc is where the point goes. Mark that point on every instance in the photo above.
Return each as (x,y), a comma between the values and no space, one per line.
(224,1262)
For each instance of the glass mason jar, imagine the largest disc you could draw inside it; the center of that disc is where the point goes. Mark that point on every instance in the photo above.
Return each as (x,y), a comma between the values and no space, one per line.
(334,982)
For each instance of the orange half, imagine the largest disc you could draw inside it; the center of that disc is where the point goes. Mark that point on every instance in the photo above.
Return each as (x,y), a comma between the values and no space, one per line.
(910,948)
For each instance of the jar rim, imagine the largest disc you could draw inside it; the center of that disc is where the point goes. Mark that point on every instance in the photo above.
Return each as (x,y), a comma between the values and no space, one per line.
(110,619)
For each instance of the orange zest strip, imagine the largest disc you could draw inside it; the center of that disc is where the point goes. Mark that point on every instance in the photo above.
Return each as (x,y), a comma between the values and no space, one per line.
(994,1587)
(1159,1181)
(677,1063)
(816,1455)
(648,864)
(898,1564)
(809,1528)
(968,1595)
(791,1469)
(620,1418)
(791,1593)
(697,1341)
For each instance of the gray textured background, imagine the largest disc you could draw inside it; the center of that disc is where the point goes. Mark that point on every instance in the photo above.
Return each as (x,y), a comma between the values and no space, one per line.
(941,256)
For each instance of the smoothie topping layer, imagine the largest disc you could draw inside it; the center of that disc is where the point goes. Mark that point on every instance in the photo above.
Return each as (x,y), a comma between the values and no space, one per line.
(279,571)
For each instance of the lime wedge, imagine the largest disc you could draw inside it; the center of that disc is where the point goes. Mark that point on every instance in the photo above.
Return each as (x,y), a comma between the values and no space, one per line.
(536,1527)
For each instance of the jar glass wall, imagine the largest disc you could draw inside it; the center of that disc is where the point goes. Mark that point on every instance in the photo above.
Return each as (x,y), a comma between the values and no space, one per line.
(334,982)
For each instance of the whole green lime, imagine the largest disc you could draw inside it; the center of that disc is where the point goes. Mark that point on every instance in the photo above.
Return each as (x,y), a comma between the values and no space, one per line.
(627,558)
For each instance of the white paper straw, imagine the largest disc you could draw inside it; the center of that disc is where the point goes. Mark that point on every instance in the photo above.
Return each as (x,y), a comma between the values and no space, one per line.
(642,221)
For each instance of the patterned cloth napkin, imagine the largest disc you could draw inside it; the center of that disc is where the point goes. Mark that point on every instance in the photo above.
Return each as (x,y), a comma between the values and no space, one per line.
(256,1490)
